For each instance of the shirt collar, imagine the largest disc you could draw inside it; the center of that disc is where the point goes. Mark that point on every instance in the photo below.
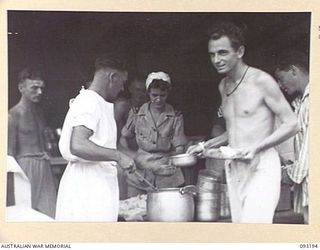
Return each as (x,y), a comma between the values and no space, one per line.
(169,111)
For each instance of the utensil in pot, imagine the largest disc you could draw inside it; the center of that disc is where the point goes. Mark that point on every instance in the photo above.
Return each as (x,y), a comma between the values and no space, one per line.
(183,160)
(145,180)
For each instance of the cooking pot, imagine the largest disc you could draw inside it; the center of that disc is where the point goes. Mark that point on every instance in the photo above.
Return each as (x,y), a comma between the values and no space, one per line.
(171,204)
(183,160)
(208,180)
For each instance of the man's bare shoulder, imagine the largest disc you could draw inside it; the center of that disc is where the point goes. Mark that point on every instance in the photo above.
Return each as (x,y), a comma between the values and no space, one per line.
(16,111)
(262,79)
(121,107)
(122,103)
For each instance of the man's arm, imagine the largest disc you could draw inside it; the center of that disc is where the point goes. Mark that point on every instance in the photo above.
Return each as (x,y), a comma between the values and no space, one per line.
(12,135)
(212,143)
(217,141)
(300,168)
(277,103)
(121,111)
(124,147)
(127,132)
(81,146)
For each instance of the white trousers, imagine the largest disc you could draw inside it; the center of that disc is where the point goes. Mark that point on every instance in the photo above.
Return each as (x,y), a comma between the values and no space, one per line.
(88,192)
(254,187)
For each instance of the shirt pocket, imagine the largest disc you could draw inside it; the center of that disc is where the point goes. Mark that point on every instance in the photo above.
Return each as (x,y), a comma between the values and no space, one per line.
(166,132)
(165,138)
(142,132)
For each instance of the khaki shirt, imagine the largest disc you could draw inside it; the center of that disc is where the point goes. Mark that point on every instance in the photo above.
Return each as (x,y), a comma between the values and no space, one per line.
(156,142)
(164,136)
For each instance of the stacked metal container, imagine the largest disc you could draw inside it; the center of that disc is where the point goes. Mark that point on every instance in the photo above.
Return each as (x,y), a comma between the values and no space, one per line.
(208,199)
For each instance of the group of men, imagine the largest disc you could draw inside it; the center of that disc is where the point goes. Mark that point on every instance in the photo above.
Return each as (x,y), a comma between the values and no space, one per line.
(251,101)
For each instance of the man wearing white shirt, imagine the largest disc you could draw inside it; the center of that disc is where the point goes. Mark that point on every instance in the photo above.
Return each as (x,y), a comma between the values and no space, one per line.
(88,189)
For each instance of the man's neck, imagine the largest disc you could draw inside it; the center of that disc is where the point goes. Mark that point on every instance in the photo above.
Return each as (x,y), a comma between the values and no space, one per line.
(304,83)
(27,104)
(134,102)
(237,72)
(99,88)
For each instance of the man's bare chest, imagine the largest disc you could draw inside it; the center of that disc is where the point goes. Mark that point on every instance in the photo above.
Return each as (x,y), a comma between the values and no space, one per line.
(31,124)
(245,102)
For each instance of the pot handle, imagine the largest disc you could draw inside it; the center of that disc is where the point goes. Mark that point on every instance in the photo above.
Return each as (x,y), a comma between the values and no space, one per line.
(188,190)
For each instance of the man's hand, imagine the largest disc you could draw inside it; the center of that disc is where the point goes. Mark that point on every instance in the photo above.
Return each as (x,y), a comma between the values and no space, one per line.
(285,178)
(248,153)
(194,149)
(126,163)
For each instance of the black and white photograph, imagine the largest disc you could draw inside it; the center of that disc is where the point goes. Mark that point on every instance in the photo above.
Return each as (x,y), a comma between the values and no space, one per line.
(158,117)
(150,124)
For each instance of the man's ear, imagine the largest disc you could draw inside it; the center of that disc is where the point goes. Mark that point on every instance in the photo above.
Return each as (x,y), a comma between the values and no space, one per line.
(20,87)
(294,70)
(241,51)
(113,76)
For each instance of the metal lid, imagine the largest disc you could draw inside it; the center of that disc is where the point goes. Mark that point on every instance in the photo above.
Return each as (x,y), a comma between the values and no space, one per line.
(209,174)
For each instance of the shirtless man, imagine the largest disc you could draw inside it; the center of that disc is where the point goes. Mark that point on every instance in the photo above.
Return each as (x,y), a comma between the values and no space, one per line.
(122,107)
(26,125)
(251,100)
(138,96)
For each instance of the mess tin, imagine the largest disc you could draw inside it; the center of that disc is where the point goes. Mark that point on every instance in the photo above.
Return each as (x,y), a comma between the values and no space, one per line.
(183,160)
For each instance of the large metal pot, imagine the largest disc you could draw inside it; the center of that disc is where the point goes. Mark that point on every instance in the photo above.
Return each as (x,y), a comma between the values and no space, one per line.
(171,204)
(183,160)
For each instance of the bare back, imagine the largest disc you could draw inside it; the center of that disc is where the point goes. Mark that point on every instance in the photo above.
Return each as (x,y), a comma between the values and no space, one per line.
(248,112)
(25,131)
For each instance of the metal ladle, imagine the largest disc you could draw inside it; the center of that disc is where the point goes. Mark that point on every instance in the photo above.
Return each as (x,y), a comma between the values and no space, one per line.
(145,180)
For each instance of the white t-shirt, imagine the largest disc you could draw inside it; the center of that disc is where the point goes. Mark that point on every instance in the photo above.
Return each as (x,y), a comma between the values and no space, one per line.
(89,109)
(88,190)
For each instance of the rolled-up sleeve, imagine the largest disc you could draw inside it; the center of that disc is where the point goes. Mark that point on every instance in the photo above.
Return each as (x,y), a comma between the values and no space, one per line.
(300,169)
(129,128)
(85,113)
(179,137)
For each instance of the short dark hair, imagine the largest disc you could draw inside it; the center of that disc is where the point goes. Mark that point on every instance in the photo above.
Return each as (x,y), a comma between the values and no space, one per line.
(159,84)
(110,60)
(297,58)
(230,30)
(31,72)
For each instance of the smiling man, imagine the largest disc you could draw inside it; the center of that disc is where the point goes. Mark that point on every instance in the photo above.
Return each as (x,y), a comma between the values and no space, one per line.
(26,142)
(251,100)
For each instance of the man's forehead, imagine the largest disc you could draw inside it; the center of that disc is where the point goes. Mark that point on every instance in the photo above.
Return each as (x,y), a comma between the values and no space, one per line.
(35,82)
(222,43)
(138,84)
(280,72)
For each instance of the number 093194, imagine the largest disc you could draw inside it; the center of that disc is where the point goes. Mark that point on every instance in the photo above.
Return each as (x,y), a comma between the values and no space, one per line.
(309,245)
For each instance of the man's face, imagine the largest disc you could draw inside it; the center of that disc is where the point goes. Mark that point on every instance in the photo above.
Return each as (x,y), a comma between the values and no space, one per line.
(223,56)
(158,97)
(138,92)
(32,89)
(117,84)
(287,81)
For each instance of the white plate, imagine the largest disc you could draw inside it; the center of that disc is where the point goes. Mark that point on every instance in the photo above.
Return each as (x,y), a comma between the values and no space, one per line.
(222,153)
